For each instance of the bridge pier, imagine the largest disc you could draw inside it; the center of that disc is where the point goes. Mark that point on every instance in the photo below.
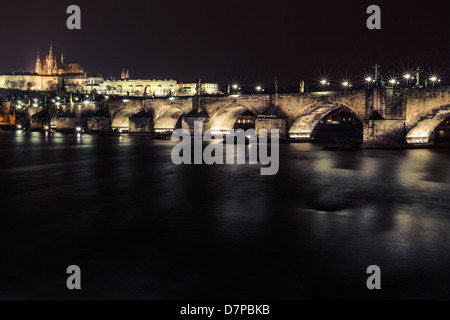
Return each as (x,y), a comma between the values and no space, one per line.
(384,133)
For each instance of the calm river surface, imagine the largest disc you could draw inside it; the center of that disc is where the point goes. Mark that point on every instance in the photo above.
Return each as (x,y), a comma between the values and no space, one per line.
(141,227)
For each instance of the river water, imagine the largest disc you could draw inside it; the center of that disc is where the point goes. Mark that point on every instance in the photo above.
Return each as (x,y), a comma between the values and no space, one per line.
(141,227)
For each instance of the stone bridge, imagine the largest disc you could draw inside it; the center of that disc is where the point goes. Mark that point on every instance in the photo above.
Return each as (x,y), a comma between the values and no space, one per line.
(302,112)
(391,116)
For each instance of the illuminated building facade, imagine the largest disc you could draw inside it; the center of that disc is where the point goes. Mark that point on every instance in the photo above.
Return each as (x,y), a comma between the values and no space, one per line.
(190,89)
(144,87)
(30,81)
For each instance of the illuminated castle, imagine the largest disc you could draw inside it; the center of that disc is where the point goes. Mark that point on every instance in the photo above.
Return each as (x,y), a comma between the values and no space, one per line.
(50,66)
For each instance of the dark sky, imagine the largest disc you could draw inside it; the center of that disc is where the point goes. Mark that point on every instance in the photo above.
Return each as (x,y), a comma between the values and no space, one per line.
(224,41)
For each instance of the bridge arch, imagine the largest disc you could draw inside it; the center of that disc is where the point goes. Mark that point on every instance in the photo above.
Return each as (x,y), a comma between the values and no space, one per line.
(424,130)
(305,127)
(120,118)
(166,119)
(225,118)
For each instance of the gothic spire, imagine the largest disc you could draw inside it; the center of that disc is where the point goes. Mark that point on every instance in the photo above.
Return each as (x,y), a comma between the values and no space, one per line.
(62,58)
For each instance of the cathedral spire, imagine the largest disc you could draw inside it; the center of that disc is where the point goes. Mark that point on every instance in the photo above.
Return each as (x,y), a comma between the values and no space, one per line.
(38,66)
(127,76)
(51,50)
(62,58)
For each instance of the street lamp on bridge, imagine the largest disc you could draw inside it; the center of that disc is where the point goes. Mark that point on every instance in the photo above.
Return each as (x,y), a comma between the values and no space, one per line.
(346,85)
(393,82)
(434,80)
(324,84)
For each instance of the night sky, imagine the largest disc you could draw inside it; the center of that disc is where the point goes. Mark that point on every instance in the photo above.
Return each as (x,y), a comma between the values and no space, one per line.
(228,41)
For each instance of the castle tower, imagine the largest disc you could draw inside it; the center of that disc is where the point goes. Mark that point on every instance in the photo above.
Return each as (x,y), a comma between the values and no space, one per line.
(38,68)
(50,67)
(50,55)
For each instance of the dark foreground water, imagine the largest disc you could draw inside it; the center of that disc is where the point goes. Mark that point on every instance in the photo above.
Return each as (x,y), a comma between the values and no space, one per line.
(141,227)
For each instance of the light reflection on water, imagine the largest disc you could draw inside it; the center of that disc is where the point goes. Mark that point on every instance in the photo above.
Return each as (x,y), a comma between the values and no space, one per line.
(142,227)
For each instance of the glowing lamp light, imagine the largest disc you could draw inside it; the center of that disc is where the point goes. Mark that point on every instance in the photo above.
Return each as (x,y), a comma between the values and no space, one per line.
(433,79)
(235,86)
(407,76)
(392,81)
(346,84)
(368,79)
(258,88)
